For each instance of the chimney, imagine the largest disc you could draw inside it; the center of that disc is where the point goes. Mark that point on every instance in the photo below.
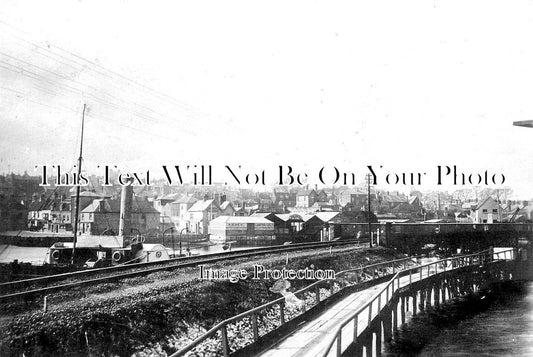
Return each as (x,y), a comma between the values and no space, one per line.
(217,198)
(126,198)
(206,197)
(223,198)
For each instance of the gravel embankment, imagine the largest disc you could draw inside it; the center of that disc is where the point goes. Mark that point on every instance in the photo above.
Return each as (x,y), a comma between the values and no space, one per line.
(154,314)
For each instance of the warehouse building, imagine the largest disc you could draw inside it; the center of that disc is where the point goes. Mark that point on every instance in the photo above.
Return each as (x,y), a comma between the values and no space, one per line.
(242,230)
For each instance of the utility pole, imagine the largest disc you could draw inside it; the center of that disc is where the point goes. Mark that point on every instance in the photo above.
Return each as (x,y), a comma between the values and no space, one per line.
(77,211)
(368,179)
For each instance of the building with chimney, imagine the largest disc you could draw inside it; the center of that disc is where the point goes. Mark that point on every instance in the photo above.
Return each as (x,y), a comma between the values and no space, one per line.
(200,214)
(103,216)
(487,211)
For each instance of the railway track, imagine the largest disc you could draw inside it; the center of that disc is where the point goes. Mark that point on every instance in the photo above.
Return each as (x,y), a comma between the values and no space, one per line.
(30,288)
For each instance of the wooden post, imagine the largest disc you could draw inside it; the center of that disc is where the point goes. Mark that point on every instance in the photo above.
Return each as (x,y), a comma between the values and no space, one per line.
(339,344)
(225,347)
(282,312)
(395,316)
(254,327)
(402,311)
(369,314)
(355,321)
(378,340)
(45,305)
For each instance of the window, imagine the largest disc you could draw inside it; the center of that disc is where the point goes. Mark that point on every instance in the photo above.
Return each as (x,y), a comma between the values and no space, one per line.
(485,210)
(494,210)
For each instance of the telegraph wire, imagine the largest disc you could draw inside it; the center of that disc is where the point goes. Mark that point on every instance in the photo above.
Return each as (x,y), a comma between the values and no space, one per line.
(189,109)
(23,96)
(72,80)
(99,117)
(184,105)
(77,91)
(74,90)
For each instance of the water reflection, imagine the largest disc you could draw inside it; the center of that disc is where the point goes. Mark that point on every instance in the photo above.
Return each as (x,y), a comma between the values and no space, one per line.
(506,329)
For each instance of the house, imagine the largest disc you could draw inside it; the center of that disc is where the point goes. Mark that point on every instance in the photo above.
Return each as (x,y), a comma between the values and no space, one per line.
(355,195)
(245,208)
(462,217)
(344,195)
(356,198)
(324,206)
(389,201)
(36,215)
(86,198)
(227,209)
(266,202)
(306,198)
(60,211)
(241,211)
(488,211)
(242,230)
(103,215)
(321,196)
(162,204)
(179,210)
(200,214)
(282,200)
(52,212)
(411,209)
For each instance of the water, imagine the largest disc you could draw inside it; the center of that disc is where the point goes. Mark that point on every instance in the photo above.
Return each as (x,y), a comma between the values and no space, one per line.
(505,329)
(36,255)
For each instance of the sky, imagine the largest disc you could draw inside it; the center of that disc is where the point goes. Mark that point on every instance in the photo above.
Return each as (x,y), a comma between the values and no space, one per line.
(405,85)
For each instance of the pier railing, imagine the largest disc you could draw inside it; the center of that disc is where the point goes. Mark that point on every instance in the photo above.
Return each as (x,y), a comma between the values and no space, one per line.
(373,307)
(248,327)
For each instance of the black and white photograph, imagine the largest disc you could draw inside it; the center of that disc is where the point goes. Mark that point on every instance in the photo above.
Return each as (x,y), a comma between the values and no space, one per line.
(266,178)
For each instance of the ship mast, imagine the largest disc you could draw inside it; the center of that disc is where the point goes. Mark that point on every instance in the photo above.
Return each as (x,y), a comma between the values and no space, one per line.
(77,211)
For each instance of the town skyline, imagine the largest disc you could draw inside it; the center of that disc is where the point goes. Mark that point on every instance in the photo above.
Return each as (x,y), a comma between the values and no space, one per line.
(192,86)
